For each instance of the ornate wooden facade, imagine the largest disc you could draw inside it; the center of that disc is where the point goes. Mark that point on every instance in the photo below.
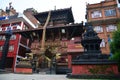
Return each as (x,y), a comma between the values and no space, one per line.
(61,34)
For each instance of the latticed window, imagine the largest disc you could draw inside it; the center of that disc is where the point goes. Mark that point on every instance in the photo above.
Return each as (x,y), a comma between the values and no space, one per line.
(3,38)
(13,37)
(111,28)
(25,27)
(11,48)
(96,14)
(98,29)
(110,12)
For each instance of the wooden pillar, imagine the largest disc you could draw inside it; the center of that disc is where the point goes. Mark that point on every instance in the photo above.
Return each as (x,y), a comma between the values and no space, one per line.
(69,61)
(59,34)
(52,34)
(14,63)
(67,33)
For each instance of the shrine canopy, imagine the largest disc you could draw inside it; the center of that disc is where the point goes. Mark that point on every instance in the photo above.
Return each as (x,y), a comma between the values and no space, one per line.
(64,15)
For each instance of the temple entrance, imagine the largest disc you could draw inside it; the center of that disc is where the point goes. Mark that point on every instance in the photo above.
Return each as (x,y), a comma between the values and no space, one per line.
(43,62)
(45,66)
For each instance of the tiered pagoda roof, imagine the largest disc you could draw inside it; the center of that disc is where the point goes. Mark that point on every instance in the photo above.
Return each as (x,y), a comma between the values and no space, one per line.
(56,15)
(73,29)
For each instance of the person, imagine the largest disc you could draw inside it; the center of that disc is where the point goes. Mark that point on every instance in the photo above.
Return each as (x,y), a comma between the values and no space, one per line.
(109,41)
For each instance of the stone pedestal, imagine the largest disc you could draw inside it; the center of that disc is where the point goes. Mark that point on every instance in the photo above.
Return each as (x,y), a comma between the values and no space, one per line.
(94,69)
(24,70)
(24,67)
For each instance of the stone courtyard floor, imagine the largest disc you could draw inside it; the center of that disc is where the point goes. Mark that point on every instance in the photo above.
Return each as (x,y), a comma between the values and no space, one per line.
(12,76)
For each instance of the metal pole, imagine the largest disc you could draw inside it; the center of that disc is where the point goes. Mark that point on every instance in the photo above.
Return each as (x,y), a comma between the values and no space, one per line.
(8,34)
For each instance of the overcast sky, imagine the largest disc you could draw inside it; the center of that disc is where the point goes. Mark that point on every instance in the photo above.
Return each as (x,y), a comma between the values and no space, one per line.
(78,6)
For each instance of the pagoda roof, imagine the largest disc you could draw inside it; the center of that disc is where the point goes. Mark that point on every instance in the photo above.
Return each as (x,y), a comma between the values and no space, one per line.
(56,15)
(27,33)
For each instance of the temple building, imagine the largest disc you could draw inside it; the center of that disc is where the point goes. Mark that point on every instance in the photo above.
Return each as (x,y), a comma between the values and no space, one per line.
(62,36)
(104,17)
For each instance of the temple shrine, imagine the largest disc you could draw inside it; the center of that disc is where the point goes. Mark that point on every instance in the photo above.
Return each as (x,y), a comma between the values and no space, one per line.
(62,34)
(92,64)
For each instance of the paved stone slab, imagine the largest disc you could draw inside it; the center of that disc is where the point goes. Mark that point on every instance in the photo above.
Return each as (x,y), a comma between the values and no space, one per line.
(11,76)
